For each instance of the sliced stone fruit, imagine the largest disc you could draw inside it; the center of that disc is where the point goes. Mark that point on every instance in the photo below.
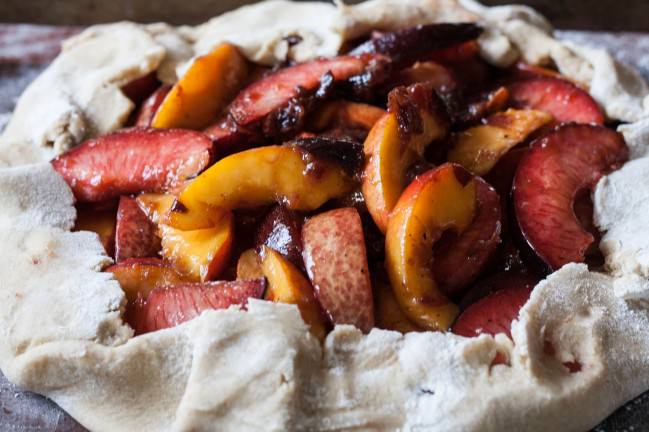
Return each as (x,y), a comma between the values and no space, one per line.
(249,265)
(497,282)
(98,220)
(257,177)
(281,231)
(407,45)
(564,100)
(150,106)
(396,141)
(458,259)
(479,106)
(167,307)
(494,313)
(345,114)
(140,276)
(388,313)
(205,89)
(441,199)
(139,89)
(133,161)
(437,74)
(156,206)
(479,148)
(524,70)
(286,284)
(336,262)
(276,90)
(199,254)
(556,169)
(135,235)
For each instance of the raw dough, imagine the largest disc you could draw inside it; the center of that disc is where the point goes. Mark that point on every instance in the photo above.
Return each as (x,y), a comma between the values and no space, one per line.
(261,369)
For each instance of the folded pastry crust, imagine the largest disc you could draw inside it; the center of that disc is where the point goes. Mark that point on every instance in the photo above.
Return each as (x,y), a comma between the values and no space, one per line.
(63,335)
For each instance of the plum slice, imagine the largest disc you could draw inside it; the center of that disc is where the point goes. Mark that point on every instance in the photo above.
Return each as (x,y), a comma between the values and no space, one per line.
(494,313)
(150,106)
(336,262)
(557,168)
(135,234)
(459,259)
(564,100)
(278,102)
(132,161)
(281,231)
(170,306)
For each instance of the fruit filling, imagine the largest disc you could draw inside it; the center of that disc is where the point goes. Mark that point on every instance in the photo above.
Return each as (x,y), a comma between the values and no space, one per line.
(405,184)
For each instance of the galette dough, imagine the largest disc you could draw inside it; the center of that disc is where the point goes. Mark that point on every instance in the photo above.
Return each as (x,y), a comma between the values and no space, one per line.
(261,369)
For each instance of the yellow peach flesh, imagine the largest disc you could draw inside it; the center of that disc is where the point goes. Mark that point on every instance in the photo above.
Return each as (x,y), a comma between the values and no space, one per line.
(249,266)
(200,95)
(479,148)
(199,254)
(388,158)
(286,284)
(156,206)
(258,177)
(434,202)
(142,278)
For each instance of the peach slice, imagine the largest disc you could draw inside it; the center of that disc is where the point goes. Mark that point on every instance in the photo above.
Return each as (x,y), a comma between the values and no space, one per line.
(100,221)
(286,284)
(479,148)
(249,266)
(140,276)
(202,93)
(389,152)
(336,262)
(156,206)
(441,199)
(345,114)
(199,254)
(258,177)
(389,315)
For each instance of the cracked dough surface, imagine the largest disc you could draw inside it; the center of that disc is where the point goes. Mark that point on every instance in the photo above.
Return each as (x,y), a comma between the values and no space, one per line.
(62,334)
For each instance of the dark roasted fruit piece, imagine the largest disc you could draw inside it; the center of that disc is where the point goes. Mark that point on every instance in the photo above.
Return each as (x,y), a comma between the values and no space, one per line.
(556,169)
(416,118)
(281,230)
(482,105)
(135,235)
(459,259)
(342,114)
(133,161)
(493,314)
(438,75)
(564,100)
(497,282)
(407,45)
(278,102)
(344,150)
(150,106)
(170,306)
